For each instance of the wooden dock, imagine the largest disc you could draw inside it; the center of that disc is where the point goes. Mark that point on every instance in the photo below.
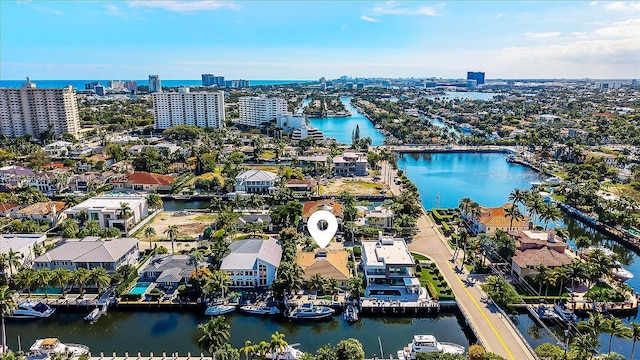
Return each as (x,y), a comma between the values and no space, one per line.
(378,306)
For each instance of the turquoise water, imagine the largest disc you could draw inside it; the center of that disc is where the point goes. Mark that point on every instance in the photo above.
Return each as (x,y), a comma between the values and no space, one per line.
(140,288)
(443,179)
(340,128)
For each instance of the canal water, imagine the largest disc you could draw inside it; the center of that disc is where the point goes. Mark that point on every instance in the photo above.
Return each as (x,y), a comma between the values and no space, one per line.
(340,128)
(157,332)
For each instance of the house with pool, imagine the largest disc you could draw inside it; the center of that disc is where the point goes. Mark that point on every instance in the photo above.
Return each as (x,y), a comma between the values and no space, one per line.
(388,270)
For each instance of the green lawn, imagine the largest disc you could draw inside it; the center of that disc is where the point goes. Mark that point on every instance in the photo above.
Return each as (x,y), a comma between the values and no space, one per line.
(428,275)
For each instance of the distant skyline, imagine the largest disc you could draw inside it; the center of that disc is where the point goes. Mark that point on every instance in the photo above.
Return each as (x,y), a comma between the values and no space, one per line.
(308,40)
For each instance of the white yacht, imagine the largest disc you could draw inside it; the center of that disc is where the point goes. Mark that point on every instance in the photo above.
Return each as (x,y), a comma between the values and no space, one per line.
(260,310)
(290,353)
(309,311)
(221,309)
(427,344)
(32,309)
(44,348)
(617,270)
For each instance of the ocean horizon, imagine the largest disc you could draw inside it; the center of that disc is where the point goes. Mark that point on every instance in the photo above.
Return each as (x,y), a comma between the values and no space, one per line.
(79,84)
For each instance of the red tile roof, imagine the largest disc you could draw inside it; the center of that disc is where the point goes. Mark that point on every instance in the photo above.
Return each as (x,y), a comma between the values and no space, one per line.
(145,178)
(533,257)
(5,207)
(310,207)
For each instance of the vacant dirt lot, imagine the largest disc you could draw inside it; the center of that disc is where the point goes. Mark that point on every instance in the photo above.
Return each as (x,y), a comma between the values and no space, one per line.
(363,186)
(189,226)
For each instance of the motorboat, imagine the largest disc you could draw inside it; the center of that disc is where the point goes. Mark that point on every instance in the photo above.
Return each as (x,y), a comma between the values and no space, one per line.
(546,313)
(44,348)
(565,313)
(350,314)
(310,311)
(260,309)
(93,315)
(32,309)
(221,309)
(428,344)
(290,353)
(617,270)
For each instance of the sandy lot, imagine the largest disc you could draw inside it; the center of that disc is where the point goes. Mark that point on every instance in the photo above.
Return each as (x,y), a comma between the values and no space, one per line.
(363,186)
(189,226)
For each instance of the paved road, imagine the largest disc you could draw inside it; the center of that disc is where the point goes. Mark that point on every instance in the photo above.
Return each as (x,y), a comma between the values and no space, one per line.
(494,331)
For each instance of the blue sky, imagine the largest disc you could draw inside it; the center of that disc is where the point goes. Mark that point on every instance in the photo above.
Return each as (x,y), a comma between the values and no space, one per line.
(307,40)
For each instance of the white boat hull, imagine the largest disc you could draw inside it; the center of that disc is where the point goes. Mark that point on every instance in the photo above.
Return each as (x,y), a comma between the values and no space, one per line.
(219,310)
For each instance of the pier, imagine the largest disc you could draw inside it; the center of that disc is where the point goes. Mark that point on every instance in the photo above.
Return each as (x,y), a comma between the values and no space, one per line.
(373,306)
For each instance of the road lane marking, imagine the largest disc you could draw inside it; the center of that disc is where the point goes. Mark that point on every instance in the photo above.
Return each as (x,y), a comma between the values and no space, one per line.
(483,315)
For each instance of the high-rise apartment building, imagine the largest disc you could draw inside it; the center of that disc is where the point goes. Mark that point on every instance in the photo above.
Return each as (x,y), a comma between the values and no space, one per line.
(32,111)
(202,109)
(154,84)
(477,76)
(211,80)
(255,111)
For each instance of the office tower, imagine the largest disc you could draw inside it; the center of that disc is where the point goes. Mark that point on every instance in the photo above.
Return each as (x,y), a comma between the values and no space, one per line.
(99,90)
(472,84)
(477,76)
(211,80)
(237,83)
(131,85)
(255,111)
(32,111)
(91,85)
(201,109)
(154,84)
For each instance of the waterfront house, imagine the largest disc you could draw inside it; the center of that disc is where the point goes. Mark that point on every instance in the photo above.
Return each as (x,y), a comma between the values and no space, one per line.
(168,270)
(144,181)
(252,262)
(297,185)
(256,182)
(49,211)
(264,219)
(58,148)
(329,264)
(388,269)
(491,219)
(350,164)
(534,248)
(106,210)
(21,243)
(89,253)
(88,181)
(377,217)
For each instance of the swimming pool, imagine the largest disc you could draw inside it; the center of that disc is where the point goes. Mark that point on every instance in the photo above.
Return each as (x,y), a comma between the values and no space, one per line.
(50,291)
(140,288)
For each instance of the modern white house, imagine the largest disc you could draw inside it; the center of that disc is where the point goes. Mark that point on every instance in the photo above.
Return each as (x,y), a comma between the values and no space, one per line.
(89,253)
(58,148)
(350,164)
(256,182)
(252,262)
(106,210)
(388,269)
(21,243)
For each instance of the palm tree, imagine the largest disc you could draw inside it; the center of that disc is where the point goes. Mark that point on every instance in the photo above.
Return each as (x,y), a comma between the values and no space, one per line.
(561,275)
(219,281)
(195,258)
(4,262)
(99,277)
(549,213)
(542,273)
(262,349)
(42,279)
(316,282)
(615,327)
(247,349)
(7,306)
(513,212)
(635,336)
(277,344)
(216,333)
(585,346)
(594,326)
(518,196)
(154,201)
(534,205)
(14,259)
(582,242)
(172,232)
(61,276)
(79,277)
(149,233)
(124,212)
(25,278)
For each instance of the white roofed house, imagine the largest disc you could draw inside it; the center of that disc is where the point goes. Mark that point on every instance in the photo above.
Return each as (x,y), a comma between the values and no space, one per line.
(252,262)
(388,269)
(107,211)
(89,253)
(21,243)
(58,148)
(256,182)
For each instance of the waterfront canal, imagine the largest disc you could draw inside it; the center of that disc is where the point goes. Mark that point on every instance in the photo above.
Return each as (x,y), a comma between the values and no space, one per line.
(340,128)
(157,332)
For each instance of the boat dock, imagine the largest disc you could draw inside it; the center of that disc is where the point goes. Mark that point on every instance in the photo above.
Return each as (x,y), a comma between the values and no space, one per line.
(372,306)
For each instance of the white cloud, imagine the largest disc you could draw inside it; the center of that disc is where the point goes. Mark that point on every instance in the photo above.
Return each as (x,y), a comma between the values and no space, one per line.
(40,8)
(184,6)
(542,35)
(115,11)
(393,8)
(622,6)
(580,35)
(369,19)
(500,15)
(620,29)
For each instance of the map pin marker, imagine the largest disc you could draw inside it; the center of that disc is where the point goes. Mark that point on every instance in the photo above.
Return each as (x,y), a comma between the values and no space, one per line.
(322,237)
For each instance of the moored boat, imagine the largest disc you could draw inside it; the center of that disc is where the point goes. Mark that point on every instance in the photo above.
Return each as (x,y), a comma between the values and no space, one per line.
(290,353)
(565,313)
(260,310)
(44,348)
(617,270)
(350,314)
(309,311)
(32,309)
(428,344)
(220,309)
